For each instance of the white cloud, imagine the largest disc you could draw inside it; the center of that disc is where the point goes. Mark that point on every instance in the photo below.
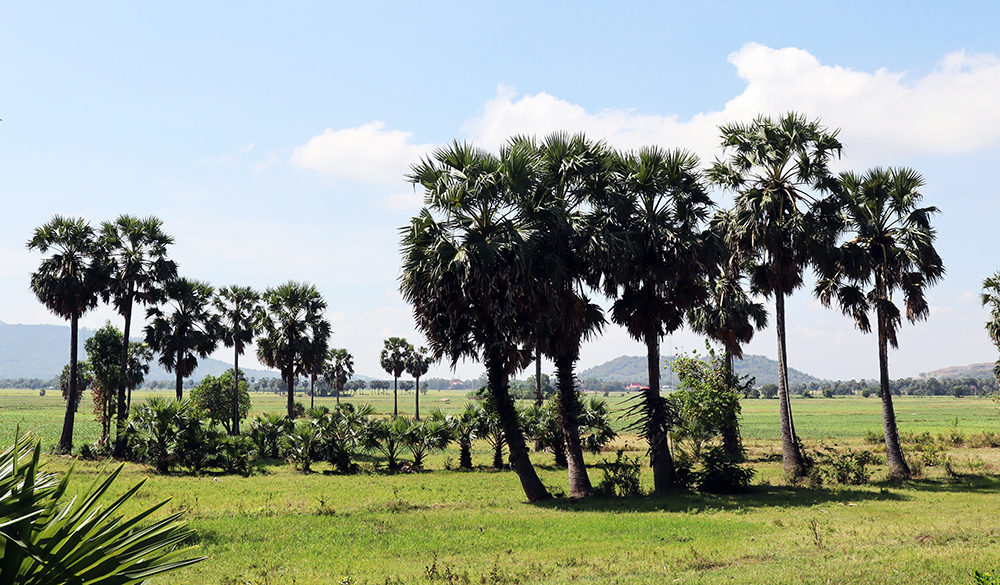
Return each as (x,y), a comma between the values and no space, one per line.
(368,152)
(950,110)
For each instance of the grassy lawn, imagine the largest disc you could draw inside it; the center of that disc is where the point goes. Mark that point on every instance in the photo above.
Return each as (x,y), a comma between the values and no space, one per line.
(444,526)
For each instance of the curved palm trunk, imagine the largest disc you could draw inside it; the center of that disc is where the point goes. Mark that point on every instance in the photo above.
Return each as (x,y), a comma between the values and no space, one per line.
(731,442)
(119,451)
(569,418)
(660,459)
(235,428)
(533,487)
(791,456)
(893,452)
(417,394)
(66,439)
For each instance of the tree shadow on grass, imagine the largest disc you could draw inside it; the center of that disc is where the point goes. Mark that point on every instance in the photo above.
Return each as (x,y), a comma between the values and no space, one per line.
(756,497)
(959,483)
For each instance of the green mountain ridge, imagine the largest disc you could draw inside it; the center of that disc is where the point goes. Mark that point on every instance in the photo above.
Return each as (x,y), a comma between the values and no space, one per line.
(634,369)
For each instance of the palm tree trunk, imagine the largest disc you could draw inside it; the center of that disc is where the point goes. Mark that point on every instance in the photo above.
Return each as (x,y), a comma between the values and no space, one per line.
(289,377)
(340,388)
(791,456)
(519,460)
(569,418)
(893,452)
(538,376)
(664,474)
(417,395)
(235,428)
(66,439)
(731,426)
(119,451)
(180,377)
(395,396)
(312,391)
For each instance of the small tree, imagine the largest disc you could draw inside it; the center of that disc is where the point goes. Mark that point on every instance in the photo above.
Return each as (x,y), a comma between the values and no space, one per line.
(214,395)
(416,366)
(104,350)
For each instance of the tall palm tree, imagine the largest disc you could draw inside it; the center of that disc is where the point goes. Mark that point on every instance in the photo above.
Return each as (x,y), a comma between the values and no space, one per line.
(338,369)
(314,359)
(728,316)
(464,274)
(189,331)
(137,248)
(784,219)
(890,248)
(417,365)
(238,307)
(652,254)
(290,324)
(991,297)
(395,352)
(68,283)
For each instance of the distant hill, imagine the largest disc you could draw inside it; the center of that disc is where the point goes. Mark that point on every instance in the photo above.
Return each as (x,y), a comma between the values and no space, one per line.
(634,369)
(41,351)
(969,371)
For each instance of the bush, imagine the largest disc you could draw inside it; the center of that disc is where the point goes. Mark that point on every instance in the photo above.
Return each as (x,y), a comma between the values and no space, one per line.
(828,393)
(874,438)
(720,475)
(847,467)
(621,477)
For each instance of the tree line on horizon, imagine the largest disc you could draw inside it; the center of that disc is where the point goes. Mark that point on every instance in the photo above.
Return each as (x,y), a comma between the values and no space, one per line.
(501,262)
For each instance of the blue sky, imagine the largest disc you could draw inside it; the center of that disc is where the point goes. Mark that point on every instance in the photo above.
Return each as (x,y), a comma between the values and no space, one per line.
(272,139)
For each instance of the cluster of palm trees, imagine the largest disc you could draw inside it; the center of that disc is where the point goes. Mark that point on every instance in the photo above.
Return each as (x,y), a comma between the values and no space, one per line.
(499,263)
(399,356)
(125,262)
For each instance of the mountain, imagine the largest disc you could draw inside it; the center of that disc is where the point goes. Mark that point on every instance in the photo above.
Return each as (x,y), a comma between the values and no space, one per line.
(634,369)
(41,351)
(969,371)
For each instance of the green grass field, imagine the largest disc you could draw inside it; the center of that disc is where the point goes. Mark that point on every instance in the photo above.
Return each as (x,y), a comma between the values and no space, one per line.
(444,526)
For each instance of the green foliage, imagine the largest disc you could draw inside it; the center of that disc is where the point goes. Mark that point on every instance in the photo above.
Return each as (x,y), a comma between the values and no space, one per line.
(846,466)
(705,401)
(266,432)
(719,474)
(769,391)
(302,444)
(48,538)
(423,438)
(621,476)
(215,396)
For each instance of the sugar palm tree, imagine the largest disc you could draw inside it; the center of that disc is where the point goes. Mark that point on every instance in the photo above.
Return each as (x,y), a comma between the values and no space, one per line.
(189,331)
(890,248)
(137,248)
(728,316)
(991,297)
(783,220)
(314,359)
(238,308)
(465,276)
(68,283)
(652,254)
(291,321)
(338,369)
(417,365)
(395,352)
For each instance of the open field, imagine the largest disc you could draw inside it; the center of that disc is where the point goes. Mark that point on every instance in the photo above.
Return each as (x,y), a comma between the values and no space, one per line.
(455,527)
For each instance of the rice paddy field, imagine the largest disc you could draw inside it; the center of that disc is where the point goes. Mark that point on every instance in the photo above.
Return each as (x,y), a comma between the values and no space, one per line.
(449,526)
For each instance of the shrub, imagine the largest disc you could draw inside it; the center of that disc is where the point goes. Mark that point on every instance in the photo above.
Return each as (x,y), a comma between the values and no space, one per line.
(621,477)
(720,475)
(847,467)
(874,438)
(302,444)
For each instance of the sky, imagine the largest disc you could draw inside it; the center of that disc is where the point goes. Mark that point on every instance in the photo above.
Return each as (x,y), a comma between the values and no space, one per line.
(272,139)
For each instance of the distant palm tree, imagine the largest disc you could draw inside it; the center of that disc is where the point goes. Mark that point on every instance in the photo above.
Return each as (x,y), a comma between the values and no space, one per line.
(137,248)
(338,369)
(417,365)
(465,276)
(68,283)
(728,316)
(652,255)
(395,353)
(314,359)
(291,322)
(239,308)
(782,220)
(890,248)
(189,331)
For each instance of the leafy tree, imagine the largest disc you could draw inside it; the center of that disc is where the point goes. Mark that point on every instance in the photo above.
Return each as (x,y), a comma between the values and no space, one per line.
(465,276)
(238,308)
(991,297)
(707,401)
(83,382)
(338,370)
(103,351)
(49,538)
(890,248)
(395,354)
(417,365)
(137,248)
(290,326)
(189,331)
(652,255)
(68,283)
(782,220)
(215,396)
